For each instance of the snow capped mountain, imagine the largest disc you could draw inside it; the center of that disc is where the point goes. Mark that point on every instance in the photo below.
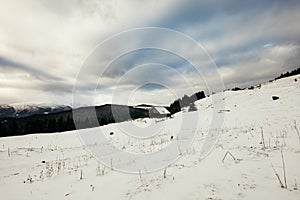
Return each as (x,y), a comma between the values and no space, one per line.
(24,110)
(6,111)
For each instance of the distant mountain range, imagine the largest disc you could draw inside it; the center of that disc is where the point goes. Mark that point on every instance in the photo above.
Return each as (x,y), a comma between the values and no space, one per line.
(43,118)
(20,111)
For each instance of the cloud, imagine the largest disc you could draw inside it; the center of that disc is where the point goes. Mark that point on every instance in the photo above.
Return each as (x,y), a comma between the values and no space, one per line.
(43,45)
(263,64)
(10,64)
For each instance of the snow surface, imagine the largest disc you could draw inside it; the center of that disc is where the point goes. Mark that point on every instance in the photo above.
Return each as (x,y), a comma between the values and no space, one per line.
(161,110)
(58,166)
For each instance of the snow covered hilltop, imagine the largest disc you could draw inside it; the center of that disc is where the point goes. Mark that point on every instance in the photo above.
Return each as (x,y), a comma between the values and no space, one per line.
(257,135)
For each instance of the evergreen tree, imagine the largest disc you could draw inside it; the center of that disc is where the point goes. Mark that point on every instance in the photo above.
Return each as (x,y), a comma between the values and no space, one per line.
(192,107)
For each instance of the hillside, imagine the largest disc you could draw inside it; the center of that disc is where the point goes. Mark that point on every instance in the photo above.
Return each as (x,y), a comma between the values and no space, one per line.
(60,121)
(257,132)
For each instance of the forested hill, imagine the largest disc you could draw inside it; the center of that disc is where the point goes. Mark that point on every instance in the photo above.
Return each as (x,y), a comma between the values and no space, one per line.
(63,121)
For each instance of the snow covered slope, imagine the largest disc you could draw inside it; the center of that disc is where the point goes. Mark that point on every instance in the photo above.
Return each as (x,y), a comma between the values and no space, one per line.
(256,130)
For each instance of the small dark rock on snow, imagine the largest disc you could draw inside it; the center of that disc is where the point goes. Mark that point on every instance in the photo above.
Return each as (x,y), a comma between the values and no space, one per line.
(275,97)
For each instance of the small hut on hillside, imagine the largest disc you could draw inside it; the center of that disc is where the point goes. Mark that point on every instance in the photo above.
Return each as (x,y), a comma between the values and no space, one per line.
(158,112)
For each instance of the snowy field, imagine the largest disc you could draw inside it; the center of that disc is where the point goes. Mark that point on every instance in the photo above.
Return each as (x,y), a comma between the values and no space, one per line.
(257,135)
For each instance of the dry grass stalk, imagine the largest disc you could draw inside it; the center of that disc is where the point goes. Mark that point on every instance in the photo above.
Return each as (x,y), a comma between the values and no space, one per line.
(295,186)
(277,175)
(111,165)
(81,175)
(140,174)
(284,171)
(262,138)
(165,173)
(227,154)
(295,126)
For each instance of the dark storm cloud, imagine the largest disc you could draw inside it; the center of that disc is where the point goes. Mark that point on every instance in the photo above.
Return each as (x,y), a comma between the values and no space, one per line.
(10,64)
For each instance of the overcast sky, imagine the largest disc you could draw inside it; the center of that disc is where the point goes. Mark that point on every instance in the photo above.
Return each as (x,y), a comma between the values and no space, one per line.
(44,43)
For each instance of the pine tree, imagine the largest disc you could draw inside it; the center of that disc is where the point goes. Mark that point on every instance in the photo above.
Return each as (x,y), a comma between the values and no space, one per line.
(192,107)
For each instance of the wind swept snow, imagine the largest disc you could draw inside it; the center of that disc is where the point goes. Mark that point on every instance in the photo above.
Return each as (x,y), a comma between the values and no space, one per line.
(258,133)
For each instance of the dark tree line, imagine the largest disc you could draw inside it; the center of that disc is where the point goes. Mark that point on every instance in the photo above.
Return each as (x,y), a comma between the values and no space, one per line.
(64,121)
(35,124)
(291,73)
(185,101)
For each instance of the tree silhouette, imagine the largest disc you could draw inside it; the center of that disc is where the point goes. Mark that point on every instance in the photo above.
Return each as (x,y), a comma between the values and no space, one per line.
(192,107)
